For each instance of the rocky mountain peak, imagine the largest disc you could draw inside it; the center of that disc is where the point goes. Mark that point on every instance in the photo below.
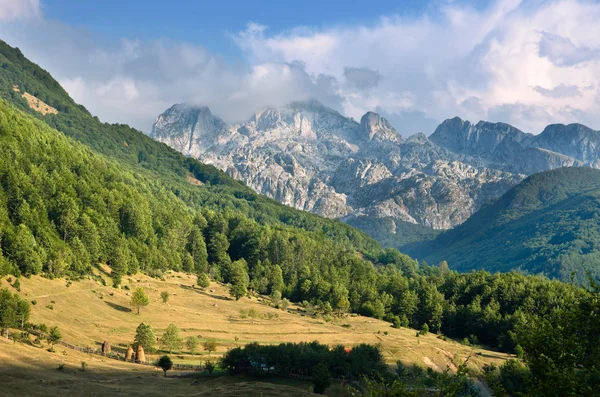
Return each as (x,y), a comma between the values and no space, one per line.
(377,128)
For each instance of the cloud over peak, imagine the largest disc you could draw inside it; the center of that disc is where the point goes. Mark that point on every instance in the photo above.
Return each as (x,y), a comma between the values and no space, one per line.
(528,63)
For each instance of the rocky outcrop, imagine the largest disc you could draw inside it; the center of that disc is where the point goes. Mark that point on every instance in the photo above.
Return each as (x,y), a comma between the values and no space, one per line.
(311,157)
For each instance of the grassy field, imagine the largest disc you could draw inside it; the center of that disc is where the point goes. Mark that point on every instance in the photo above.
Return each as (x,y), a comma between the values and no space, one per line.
(89,313)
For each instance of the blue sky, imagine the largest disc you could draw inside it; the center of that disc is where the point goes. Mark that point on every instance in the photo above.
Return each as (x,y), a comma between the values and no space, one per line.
(210,23)
(529,63)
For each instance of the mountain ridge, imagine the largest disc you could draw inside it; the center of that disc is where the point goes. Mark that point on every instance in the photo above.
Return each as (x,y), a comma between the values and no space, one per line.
(546,224)
(313,158)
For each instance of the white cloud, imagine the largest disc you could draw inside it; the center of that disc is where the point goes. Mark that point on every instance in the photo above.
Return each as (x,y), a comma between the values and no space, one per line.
(560,91)
(456,60)
(529,63)
(11,10)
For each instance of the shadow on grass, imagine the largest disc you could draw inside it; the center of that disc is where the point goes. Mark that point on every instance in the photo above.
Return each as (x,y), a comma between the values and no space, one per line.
(199,291)
(119,307)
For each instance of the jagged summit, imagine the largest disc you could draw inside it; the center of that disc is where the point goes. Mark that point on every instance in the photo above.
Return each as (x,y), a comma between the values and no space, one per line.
(310,156)
(377,128)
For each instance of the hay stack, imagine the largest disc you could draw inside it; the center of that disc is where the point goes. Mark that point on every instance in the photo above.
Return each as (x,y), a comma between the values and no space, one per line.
(129,354)
(139,355)
(106,348)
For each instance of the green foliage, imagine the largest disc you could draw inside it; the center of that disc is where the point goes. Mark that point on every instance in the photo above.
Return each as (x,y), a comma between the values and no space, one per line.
(171,339)
(321,378)
(374,388)
(14,311)
(209,366)
(519,352)
(203,280)
(98,193)
(54,335)
(210,345)
(192,343)
(164,296)
(144,336)
(562,349)
(164,363)
(275,298)
(548,224)
(139,299)
(303,358)
(238,278)
(511,378)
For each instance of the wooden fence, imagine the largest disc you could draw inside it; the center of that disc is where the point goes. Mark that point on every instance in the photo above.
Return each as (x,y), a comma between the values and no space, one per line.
(117,356)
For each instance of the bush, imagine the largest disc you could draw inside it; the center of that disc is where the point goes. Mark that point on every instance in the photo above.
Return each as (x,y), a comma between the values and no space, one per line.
(165,364)
(61,367)
(84,366)
(519,352)
(164,296)
(209,366)
(243,314)
(321,379)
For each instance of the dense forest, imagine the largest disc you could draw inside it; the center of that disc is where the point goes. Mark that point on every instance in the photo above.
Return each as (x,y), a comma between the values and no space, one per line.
(548,224)
(64,209)
(75,193)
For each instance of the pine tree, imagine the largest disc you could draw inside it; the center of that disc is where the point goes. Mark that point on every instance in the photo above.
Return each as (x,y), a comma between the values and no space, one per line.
(238,279)
(203,280)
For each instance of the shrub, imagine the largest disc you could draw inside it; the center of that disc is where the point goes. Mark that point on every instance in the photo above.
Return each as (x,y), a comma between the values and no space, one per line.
(34,302)
(209,366)
(284,304)
(321,378)
(519,352)
(164,296)
(84,366)
(243,314)
(61,367)
(165,364)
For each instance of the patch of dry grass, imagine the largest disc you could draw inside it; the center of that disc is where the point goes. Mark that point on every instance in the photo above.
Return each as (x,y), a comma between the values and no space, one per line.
(89,313)
(36,104)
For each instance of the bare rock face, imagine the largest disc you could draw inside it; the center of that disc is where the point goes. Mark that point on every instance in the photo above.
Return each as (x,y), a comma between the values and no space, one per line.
(312,158)
(377,128)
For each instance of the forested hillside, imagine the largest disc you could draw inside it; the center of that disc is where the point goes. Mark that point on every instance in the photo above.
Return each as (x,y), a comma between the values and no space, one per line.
(66,207)
(548,224)
(141,154)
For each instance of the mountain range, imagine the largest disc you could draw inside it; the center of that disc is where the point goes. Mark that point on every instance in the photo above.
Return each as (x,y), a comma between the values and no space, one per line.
(311,157)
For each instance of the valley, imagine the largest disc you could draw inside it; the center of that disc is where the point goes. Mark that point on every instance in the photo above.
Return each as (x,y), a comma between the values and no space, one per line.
(88,313)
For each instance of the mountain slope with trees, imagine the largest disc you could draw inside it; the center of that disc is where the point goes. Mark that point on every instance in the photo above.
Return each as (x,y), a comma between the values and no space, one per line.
(66,206)
(141,154)
(548,224)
